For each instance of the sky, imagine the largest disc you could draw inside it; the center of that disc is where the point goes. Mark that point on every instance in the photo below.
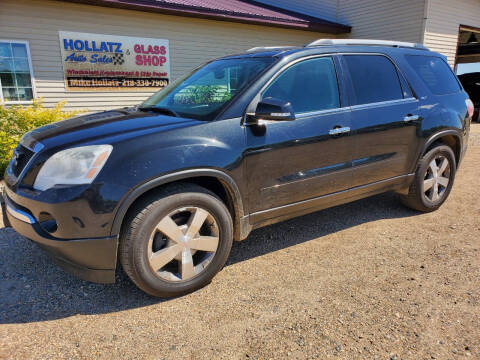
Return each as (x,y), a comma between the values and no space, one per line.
(468,68)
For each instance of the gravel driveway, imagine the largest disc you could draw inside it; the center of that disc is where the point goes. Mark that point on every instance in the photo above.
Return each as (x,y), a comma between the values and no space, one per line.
(370,279)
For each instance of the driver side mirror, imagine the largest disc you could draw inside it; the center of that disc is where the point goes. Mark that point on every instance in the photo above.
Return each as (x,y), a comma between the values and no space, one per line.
(274,110)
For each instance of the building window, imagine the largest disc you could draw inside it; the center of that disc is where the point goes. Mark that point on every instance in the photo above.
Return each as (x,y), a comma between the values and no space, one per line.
(16,78)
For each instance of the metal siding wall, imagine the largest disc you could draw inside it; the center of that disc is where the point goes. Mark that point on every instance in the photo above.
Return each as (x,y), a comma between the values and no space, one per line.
(324,9)
(383,19)
(400,20)
(192,42)
(443,20)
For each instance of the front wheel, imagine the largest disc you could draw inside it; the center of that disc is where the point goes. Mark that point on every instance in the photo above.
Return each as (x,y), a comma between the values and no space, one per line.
(433,180)
(175,242)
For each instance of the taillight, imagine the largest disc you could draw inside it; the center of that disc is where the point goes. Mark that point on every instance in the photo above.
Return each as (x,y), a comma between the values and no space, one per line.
(469,107)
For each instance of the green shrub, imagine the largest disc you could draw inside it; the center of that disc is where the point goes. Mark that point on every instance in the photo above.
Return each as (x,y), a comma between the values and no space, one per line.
(17,120)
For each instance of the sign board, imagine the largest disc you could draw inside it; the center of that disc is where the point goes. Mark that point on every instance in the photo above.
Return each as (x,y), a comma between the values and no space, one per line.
(110,62)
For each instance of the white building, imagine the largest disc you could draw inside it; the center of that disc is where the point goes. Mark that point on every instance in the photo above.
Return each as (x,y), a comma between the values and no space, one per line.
(101,54)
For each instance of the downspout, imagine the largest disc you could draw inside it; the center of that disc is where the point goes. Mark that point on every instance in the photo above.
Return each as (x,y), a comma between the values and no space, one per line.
(337,16)
(424,21)
(336,10)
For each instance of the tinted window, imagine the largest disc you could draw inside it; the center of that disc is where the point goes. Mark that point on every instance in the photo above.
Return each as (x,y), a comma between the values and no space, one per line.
(310,85)
(435,73)
(407,92)
(374,78)
(205,92)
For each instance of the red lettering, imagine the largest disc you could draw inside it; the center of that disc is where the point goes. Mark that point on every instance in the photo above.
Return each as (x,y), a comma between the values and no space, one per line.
(147,60)
(151,49)
(150,60)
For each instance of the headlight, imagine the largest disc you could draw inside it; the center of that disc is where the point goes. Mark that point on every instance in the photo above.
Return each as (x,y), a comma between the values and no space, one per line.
(73,166)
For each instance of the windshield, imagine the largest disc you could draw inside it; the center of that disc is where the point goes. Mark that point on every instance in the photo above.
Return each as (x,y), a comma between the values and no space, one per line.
(203,93)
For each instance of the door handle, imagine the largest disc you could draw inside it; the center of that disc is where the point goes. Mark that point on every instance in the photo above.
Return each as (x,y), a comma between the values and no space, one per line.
(411,118)
(339,130)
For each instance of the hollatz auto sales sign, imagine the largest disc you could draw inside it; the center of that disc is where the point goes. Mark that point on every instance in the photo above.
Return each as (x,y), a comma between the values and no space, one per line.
(110,62)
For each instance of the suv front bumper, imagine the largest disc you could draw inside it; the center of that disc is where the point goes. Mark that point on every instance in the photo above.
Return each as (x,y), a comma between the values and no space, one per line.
(92,259)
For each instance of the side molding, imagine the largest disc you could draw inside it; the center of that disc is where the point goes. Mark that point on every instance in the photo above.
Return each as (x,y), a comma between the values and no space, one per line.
(225,179)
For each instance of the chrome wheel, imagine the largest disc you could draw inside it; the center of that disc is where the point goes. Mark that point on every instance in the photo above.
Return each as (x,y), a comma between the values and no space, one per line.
(183,244)
(436,178)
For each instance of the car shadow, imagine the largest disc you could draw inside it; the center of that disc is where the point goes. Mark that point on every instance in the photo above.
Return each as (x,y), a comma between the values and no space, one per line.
(34,289)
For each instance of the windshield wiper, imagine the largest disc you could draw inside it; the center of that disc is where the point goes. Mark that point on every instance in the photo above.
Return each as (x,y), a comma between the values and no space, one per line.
(159,109)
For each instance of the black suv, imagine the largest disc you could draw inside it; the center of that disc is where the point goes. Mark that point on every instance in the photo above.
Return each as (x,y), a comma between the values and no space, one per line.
(241,142)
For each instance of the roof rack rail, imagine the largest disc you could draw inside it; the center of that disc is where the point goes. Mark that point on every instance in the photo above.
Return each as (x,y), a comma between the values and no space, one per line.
(267,48)
(326,42)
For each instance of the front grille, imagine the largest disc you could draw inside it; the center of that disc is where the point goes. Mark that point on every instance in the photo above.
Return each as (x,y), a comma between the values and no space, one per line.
(21,157)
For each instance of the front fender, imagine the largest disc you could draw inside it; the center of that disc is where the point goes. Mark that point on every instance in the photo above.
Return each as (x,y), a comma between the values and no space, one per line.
(141,163)
(224,178)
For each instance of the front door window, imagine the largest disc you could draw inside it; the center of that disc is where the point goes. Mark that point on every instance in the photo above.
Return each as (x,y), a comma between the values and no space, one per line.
(310,85)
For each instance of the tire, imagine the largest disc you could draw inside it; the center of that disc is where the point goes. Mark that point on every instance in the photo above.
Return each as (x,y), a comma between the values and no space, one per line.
(144,243)
(425,200)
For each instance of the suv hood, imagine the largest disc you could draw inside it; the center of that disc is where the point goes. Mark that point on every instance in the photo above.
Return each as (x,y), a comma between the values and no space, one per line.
(107,123)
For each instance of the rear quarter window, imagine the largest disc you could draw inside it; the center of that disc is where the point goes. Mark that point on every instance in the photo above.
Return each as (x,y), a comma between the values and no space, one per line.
(435,73)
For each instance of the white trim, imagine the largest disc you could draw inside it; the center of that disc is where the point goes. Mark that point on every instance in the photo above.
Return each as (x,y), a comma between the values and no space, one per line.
(32,76)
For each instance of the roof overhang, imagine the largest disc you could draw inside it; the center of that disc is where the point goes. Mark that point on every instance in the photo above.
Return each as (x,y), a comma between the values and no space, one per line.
(301,21)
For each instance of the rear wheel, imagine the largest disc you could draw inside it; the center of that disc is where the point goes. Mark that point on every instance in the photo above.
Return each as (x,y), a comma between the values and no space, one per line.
(176,241)
(433,180)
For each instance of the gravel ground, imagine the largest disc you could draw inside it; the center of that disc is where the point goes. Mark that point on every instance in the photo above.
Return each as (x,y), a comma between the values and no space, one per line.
(369,280)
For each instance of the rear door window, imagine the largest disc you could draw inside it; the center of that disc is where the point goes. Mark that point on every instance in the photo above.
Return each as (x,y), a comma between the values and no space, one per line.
(374,79)
(435,73)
